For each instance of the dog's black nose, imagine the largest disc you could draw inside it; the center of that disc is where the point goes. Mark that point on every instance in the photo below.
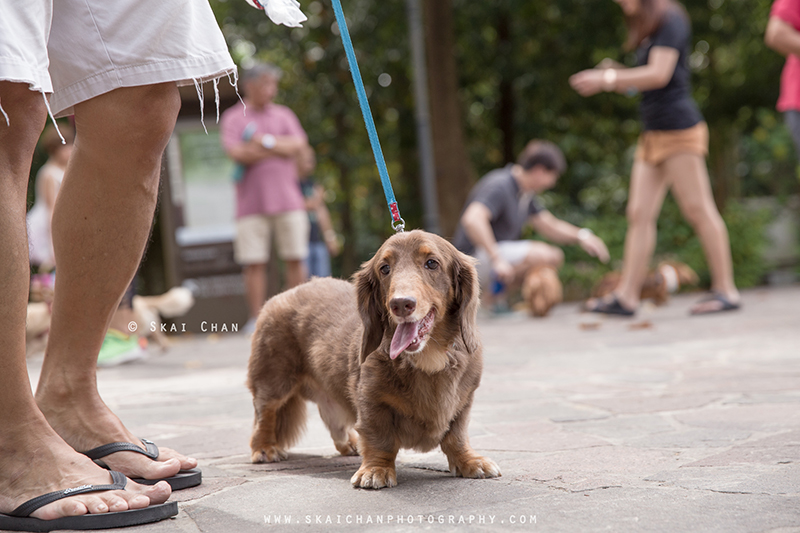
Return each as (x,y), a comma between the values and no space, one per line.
(403,307)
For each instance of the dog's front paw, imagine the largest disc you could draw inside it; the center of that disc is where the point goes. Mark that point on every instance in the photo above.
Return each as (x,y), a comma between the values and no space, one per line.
(268,454)
(476,467)
(374,477)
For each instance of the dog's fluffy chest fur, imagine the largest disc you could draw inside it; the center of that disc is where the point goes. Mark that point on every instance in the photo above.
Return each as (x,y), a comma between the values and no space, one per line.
(421,405)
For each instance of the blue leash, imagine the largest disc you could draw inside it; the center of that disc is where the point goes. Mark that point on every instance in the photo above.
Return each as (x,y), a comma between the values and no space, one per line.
(398,224)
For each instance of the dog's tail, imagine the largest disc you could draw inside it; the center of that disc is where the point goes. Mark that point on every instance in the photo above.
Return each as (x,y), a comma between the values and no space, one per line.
(276,429)
(290,421)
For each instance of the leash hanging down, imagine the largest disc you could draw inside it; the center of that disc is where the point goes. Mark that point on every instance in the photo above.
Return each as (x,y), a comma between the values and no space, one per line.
(398,224)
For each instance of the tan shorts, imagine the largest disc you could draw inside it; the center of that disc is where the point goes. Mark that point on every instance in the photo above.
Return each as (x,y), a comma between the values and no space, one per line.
(254,237)
(79,49)
(655,147)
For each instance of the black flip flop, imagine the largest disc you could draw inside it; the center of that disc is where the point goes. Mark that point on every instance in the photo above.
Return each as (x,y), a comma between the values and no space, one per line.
(611,307)
(182,480)
(727,305)
(20,518)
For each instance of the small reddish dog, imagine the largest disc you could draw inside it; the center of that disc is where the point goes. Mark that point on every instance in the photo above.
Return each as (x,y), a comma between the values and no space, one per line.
(541,290)
(395,356)
(667,278)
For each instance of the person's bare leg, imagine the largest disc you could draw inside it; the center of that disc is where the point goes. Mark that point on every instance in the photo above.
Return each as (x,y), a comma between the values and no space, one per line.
(692,190)
(295,273)
(34,460)
(647,191)
(255,283)
(122,317)
(101,222)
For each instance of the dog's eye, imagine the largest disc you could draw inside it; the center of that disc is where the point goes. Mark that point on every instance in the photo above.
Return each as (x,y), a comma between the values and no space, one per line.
(385,270)
(431,264)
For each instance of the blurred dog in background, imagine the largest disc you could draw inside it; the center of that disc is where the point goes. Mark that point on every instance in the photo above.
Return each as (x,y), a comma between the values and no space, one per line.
(150,310)
(667,278)
(541,290)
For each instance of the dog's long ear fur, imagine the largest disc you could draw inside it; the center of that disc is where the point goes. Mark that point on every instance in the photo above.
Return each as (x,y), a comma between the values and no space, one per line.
(370,308)
(467,298)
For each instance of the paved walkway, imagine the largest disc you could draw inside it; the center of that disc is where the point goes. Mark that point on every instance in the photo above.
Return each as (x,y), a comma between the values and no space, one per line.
(662,423)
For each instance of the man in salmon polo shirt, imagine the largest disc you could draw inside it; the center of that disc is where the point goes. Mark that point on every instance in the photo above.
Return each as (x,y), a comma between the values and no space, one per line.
(264,139)
(783,36)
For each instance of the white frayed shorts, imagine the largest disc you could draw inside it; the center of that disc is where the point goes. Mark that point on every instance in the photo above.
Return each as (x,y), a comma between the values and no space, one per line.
(79,49)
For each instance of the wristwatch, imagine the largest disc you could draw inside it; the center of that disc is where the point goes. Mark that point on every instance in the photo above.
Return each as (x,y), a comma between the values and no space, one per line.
(268,141)
(609,79)
(584,233)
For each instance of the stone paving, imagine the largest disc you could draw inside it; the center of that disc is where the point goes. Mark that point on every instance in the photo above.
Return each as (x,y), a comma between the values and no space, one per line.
(664,422)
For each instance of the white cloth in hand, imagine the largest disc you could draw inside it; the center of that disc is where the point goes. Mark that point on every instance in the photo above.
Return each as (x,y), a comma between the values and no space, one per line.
(286,12)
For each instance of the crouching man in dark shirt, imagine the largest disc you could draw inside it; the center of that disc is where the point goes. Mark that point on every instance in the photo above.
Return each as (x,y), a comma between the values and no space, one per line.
(499,207)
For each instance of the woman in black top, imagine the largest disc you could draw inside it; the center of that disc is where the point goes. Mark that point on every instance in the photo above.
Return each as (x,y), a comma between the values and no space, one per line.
(670,153)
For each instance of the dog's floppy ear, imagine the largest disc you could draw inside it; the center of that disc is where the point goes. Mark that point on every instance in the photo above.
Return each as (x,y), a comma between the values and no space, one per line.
(467,292)
(370,308)
(686,275)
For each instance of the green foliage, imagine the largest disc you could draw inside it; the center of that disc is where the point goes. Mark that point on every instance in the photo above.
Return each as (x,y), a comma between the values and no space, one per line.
(318,87)
(736,79)
(676,241)
(768,160)
(515,58)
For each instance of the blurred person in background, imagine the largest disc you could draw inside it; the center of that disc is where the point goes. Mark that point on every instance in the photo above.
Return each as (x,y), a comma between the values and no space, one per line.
(322,241)
(265,141)
(48,182)
(670,154)
(783,36)
(501,204)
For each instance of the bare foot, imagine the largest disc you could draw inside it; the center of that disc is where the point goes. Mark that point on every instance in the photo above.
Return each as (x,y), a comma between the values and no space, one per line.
(716,302)
(85,422)
(611,304)
(40,462)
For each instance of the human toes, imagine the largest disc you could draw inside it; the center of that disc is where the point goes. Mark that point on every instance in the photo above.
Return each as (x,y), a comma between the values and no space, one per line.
(159,469)
(61,508)
(95,503)
(187,463)
(138,495)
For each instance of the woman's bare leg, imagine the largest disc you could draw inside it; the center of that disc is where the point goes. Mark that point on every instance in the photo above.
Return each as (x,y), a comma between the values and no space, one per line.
(692,190)
(647,191)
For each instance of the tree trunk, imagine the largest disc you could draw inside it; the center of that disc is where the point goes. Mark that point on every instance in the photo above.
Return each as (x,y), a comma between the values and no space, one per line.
(454,173)
(349,259)
(723,156)
(505,117)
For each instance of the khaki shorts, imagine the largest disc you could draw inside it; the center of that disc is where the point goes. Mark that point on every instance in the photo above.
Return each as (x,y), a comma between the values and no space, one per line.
(79,49)
(655,147)
(254,237)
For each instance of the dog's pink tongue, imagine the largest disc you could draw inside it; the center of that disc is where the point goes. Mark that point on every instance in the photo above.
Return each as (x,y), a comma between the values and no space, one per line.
(404,335)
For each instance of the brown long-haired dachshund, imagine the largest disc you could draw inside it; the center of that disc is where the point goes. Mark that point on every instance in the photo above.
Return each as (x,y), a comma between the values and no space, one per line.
(392,361)
(660,282)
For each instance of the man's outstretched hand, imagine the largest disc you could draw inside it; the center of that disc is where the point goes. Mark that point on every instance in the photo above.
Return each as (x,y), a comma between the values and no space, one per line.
(594,246)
